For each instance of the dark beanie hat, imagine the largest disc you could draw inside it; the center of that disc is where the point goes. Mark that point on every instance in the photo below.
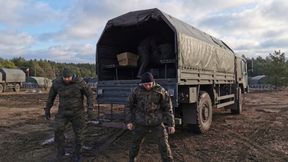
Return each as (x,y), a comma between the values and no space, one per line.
(147,77)
(67,72)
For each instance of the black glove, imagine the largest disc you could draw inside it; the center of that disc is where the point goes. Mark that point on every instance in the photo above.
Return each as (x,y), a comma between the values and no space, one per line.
(47,114)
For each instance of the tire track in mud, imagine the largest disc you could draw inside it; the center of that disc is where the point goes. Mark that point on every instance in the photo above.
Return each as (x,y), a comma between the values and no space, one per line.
(252,138)
(103,143)
(21,147)
(177,151)
(182,145)
(263,150)
(250,141)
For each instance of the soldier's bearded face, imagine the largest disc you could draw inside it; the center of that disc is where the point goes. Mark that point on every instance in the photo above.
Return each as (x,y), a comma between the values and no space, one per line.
(148,86)
(67,80)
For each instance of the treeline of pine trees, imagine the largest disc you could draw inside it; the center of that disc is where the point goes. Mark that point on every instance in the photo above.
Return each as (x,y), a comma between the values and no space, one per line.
(46,68)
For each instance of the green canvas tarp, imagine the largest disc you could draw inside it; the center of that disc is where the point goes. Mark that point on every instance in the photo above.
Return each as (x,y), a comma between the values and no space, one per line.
(194,48)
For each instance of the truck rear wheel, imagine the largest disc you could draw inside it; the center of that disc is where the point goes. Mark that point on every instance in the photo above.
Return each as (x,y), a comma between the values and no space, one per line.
(17,88)
(238,106)
(203,113)
(1,88)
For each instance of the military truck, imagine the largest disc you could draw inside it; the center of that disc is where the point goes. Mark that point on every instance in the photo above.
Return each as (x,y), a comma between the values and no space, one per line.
(11,79)
(202,72)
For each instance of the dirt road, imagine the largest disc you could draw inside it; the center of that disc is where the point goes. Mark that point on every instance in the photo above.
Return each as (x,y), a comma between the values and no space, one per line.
(259,134)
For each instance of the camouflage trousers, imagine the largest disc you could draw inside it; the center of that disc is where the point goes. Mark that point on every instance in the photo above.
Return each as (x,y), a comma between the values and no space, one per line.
(78,124)
(159,133)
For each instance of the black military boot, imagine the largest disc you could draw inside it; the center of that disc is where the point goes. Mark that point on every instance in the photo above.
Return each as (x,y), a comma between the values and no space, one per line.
(131,159)
(167,160)
(60,154)
(76,158)
(77,152)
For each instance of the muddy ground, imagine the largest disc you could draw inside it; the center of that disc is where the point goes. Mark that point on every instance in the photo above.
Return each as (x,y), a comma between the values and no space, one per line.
(259,134)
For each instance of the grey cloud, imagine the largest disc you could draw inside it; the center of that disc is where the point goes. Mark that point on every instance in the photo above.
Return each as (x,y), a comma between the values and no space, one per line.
(247,46)
(277,9)
(13,43)
(78,53)
(254,30)
(88,17)
(231,23)
(275,43)
(274,33)
(18,13)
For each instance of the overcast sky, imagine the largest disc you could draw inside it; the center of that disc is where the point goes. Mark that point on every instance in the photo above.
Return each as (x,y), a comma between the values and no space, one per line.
(67,31)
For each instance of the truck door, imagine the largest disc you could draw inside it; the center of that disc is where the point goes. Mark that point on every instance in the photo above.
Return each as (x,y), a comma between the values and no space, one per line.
(244,73)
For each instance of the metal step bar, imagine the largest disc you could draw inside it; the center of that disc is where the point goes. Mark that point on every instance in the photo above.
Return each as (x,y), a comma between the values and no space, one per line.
(231,96)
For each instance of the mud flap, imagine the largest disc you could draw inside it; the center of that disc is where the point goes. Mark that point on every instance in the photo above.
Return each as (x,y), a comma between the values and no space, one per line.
(189,113)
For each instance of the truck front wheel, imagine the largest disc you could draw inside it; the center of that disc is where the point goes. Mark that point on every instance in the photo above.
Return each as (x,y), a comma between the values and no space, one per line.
(203,113)
(17,88)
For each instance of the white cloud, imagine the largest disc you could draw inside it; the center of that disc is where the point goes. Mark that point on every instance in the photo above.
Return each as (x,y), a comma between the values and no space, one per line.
(76,53)
(88,17)
(253,31)
(14,43)
(18,13)
(276,9)
(73,49)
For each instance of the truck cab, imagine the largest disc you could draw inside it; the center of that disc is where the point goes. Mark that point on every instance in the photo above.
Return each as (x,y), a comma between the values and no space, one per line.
(242,73)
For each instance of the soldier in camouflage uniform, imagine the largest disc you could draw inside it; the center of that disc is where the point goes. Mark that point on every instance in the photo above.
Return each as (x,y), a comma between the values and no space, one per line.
(71,91)
(148,107)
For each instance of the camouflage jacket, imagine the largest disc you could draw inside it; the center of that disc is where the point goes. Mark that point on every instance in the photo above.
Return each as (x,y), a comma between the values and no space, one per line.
(150,107)
(71,96)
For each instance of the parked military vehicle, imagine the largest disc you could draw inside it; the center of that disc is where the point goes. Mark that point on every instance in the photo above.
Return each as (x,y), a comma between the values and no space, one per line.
(40,82)
(199,71)
(11,78)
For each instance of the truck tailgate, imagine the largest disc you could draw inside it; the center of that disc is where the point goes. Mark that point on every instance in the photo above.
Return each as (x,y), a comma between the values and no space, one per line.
(117,91)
